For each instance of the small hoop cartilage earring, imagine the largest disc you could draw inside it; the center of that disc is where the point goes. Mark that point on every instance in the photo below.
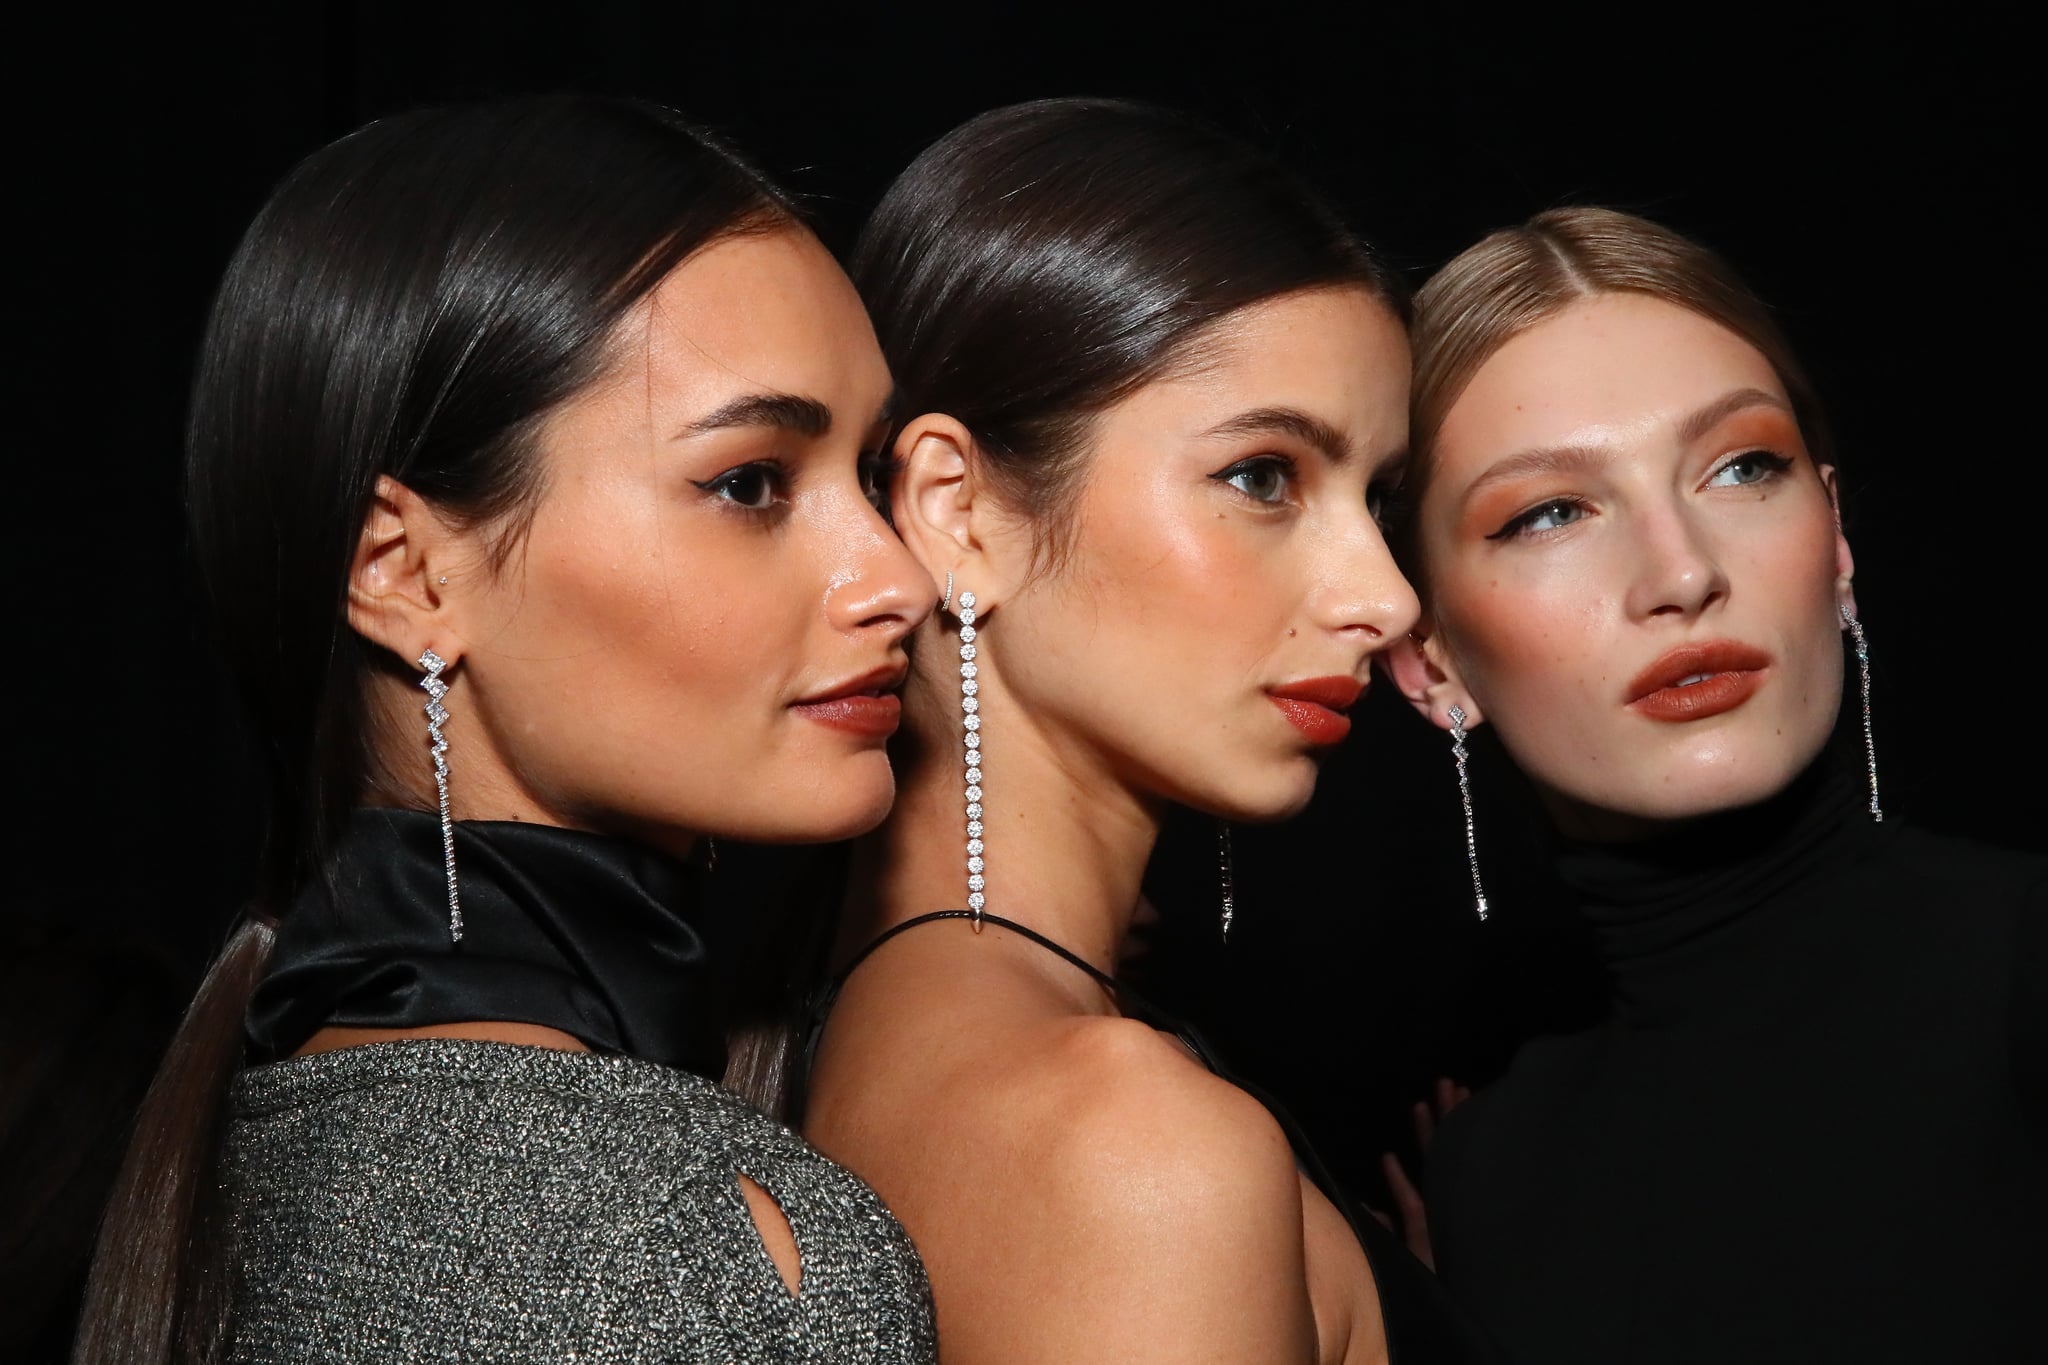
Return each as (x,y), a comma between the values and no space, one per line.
(970,706)
(1869,742)
(947,600)
(1459,756)
(437,716)
(1226,876)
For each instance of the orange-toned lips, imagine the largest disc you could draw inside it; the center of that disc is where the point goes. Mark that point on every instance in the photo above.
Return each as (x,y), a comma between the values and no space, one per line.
(1316,706)
(1696,681)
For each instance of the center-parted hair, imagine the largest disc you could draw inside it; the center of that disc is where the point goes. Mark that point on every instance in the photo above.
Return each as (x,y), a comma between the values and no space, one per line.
(1040,262)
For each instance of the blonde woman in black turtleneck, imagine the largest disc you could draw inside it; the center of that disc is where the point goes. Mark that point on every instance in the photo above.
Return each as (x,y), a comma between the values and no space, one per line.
(1811,1127)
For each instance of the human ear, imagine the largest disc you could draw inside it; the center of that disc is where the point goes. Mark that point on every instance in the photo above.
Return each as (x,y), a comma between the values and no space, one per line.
(945,515)
(1845,562)
(395,596)
(1422,669)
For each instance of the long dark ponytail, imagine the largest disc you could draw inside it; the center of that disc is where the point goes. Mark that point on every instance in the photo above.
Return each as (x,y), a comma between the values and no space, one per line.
(412,301)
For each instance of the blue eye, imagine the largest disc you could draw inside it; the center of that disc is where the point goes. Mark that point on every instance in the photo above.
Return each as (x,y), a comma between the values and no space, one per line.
(1264,478)
(1554,515)
(1750,467)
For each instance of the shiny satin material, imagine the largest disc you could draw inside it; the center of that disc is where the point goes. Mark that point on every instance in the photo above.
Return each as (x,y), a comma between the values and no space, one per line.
(568,930)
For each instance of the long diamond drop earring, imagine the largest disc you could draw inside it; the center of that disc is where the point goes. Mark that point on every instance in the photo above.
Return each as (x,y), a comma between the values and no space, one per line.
(1458,755)
(1226,876)
(1869,744)
(437,716)
(970,705)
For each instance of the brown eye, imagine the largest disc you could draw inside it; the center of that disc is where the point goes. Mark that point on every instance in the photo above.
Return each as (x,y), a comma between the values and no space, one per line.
(756,487)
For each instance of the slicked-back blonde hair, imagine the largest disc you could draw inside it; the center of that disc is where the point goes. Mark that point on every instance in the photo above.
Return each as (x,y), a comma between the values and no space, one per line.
(1517,277)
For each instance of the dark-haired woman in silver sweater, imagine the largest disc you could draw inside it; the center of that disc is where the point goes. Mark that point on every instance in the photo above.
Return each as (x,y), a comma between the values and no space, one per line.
(531,481)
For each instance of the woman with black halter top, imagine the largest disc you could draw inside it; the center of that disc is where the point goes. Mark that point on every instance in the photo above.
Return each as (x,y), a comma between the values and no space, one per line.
(531,472)
(1152,388)
(1812,1126)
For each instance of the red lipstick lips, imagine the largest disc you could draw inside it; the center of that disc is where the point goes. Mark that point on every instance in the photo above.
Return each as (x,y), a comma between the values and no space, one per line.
(866,706)
(1316,706)
(1693,682)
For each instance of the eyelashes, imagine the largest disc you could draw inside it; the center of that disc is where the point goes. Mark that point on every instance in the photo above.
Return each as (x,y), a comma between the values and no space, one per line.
(1264,479)
(760,487)
(1559,512)
(878,471)
(757,486)
(1745,469)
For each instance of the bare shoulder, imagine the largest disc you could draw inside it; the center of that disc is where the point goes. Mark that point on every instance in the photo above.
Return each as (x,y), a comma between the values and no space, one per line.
(1160,1203)
(1124,1097)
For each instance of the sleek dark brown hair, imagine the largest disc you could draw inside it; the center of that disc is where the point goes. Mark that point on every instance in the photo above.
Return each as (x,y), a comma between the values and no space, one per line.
(412,301)
(1042,261)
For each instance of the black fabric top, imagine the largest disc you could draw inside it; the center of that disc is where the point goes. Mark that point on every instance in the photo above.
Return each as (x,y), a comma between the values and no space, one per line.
(1811,1128)
(572,931)
(1421,1325)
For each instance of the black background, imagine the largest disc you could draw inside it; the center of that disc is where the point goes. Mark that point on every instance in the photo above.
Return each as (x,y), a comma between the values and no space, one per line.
(1868,178)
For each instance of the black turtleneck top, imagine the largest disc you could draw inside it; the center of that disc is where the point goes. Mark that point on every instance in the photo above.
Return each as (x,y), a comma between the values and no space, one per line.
(1811,1127)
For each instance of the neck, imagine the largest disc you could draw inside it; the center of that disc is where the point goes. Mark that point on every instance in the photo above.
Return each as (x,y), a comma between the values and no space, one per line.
(1066,843)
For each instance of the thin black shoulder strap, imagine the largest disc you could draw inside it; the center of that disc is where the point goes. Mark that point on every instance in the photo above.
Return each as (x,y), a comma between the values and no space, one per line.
(1134,1005)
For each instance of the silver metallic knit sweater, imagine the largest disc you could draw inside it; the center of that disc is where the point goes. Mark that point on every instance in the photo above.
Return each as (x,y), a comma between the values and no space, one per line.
(464,1201)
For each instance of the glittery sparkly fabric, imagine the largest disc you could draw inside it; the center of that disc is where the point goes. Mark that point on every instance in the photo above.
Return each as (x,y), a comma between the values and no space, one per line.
(440,1200)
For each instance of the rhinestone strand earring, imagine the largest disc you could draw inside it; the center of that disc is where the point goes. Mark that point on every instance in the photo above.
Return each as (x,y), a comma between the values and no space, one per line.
(437,716)
(1458,755)
(1226,876)
(1869,743)
(970,706)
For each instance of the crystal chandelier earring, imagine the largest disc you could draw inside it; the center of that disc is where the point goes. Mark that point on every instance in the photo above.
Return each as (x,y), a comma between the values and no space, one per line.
(970,706)
(1226,876)
(1855,629)
(1458,755)
(437,716)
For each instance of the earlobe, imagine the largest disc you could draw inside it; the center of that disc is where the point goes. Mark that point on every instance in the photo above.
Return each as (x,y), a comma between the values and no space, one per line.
(1425,675)
(394,593)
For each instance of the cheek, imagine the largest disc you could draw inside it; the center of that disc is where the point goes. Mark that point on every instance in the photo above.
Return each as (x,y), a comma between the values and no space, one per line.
(629,613)
(1518,640)
(1198,595)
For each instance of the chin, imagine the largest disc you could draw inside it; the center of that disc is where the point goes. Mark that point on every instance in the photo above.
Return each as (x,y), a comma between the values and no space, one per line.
(844,805)
(1263,795)
(1701,785)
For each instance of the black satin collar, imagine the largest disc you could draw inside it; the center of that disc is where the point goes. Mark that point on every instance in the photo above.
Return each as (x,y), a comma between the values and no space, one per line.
(568,930)
(1656,906)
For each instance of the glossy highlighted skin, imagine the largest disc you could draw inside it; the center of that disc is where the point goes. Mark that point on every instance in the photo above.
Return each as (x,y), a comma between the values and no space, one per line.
(1635,566)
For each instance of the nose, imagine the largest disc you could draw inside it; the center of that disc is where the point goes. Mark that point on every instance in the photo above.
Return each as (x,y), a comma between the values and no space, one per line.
(1364,593)
(1678,572)
(877,584)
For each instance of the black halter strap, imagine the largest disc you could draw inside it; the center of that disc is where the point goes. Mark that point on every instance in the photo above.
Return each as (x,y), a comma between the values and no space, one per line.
(1133,1005)
(1398,1280)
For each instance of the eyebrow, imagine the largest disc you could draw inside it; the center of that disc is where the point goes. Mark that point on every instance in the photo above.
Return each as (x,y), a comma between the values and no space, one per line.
(1543,460)
(1579,459)
(1721,409)
(788,411)
(1302,426)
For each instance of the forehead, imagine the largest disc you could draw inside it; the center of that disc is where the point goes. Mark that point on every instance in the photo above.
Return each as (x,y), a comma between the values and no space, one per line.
(1605,366)
(1339,353)
(757,312)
